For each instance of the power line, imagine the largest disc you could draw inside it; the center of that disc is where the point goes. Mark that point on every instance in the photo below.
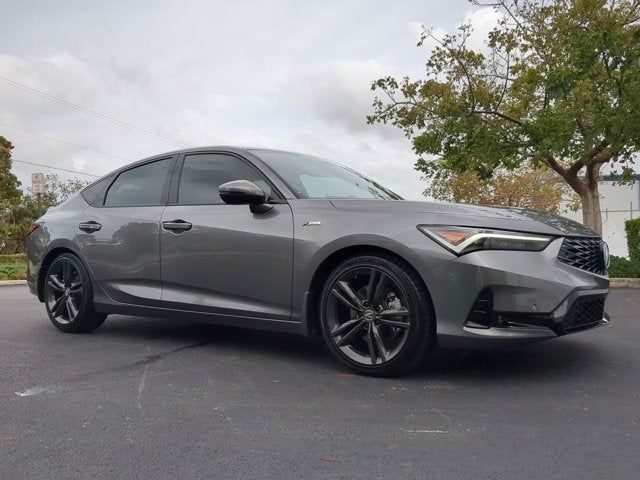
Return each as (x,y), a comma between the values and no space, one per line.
(63,141)
(55,168)
(62,101)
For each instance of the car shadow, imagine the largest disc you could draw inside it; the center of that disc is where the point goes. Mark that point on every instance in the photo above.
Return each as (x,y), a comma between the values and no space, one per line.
(560,357)
(557,357)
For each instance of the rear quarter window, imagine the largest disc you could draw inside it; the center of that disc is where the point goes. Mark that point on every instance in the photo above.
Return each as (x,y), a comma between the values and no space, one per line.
(94,193)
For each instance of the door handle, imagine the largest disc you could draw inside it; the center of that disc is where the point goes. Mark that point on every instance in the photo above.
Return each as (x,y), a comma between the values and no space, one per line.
(90,226)
(177,226)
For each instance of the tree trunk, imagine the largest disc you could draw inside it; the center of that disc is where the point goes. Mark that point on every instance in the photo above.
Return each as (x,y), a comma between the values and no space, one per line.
(590,197)
(591,216)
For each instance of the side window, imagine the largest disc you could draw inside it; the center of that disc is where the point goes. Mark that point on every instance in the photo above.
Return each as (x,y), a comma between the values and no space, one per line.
(139,186)
(94,193)
(202,175)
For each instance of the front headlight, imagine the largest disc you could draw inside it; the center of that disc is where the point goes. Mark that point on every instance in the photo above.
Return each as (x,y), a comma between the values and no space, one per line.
(461,240)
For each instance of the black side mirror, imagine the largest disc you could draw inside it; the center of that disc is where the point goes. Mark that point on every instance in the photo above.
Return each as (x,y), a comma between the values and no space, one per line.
(244,192)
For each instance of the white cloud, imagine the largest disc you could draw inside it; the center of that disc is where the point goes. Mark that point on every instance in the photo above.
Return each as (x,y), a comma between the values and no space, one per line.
(339,93)
(282,74)
(483,20)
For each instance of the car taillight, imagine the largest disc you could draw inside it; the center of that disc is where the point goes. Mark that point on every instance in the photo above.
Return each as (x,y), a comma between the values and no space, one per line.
(34,226)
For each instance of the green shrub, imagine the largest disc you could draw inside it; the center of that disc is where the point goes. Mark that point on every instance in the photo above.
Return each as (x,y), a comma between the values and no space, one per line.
(13,271)
(632,227)
(13,267)
(17,258)
(12,237)
(623,268)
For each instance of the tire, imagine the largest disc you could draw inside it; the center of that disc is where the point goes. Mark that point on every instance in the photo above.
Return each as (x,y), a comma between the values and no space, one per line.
(383,313)
(68,296)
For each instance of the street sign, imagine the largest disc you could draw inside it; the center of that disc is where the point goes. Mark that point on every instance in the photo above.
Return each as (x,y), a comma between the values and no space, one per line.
(37,183)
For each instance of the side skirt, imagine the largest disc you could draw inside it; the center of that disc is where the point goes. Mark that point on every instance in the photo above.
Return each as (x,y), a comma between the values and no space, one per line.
(285,326)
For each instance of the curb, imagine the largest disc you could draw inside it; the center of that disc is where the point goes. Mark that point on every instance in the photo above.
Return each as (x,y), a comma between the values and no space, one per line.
(13,282)
(625,282)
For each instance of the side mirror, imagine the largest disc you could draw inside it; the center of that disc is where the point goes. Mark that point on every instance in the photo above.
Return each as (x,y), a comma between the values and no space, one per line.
(244,192)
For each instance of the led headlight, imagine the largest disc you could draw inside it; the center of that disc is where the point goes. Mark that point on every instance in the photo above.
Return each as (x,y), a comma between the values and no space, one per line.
(461,240)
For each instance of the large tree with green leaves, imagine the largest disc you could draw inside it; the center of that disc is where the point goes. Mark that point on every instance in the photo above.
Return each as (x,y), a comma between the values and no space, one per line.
(10,192)
(556,86)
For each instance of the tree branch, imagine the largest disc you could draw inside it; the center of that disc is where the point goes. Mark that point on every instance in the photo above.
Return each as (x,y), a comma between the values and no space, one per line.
(498,114)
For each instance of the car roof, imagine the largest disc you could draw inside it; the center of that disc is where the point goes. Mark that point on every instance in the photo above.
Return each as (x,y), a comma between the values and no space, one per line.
(226,148)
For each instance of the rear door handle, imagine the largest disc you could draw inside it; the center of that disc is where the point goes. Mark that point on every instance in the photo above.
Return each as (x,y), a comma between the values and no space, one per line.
(90,226)
(177,226)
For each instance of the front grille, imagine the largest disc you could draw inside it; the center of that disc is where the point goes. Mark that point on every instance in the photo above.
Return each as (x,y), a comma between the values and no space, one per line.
(584,313)
(584,253)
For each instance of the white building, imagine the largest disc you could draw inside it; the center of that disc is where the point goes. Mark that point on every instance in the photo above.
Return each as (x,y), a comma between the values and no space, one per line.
(618,204)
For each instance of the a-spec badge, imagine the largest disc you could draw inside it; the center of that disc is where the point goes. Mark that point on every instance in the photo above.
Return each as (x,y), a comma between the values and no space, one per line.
(311,223)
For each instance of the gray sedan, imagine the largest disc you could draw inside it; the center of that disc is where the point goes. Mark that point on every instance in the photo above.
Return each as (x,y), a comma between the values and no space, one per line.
(289,242)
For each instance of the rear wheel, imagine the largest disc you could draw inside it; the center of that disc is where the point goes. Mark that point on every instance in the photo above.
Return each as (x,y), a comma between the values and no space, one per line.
(68,296)
(376,315)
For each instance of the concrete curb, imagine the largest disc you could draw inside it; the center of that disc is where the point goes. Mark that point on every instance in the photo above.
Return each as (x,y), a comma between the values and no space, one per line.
(13,282)
(625,283)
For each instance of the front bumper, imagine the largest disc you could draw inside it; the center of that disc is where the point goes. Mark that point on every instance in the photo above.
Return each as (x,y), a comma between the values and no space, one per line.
(528,296)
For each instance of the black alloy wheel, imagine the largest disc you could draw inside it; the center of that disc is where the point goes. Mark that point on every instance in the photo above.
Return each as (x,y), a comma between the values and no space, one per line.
(376,315)
(68,296)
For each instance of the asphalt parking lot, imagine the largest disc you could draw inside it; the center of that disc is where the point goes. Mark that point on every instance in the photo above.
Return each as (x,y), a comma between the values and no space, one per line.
(147,398)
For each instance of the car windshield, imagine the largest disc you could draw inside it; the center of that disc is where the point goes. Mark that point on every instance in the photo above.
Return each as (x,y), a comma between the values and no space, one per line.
(313,177)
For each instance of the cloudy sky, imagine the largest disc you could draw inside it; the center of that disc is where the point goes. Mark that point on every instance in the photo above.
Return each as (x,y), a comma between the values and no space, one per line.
(278,73)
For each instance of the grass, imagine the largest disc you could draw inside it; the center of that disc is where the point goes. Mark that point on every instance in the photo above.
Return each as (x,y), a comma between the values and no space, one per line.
(13,267)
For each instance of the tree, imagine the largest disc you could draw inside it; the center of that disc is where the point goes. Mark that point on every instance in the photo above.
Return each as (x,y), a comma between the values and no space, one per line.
(57,191)
(17,219)
(557,86)
(539,189)
(10,192)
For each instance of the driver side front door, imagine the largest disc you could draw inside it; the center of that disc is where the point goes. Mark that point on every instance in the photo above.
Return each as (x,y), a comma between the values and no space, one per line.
(223,259)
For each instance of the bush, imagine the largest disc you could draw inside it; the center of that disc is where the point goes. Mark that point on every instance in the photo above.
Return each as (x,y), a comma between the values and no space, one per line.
(12,237)
(19,258)
(623,268)
(9,271)
(13,267)
(632,227)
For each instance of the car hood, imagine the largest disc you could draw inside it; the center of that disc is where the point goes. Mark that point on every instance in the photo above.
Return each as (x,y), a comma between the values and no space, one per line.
(509,218)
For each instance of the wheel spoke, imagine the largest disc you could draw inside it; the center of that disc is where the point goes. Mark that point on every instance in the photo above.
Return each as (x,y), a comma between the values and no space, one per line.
(401,312)
(394,323)
(340,329)
(351,295)
(346,338)
(55,283)
(66,273)
(371,286)
(76,288)
(72,311)
(382,350)
(379,288)
(347,296)
(56,308)
(372,351)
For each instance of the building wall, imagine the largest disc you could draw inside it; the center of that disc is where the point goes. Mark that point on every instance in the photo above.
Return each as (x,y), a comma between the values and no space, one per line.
(618,204)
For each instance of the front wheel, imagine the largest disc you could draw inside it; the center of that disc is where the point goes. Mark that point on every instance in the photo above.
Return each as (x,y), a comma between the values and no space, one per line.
(376,315)
(68,296)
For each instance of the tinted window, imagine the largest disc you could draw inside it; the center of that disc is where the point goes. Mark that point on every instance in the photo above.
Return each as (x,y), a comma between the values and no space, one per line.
(312,177)
(138,186)
(94,193)
(203,174)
